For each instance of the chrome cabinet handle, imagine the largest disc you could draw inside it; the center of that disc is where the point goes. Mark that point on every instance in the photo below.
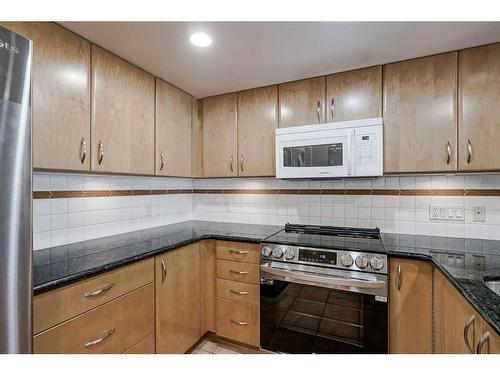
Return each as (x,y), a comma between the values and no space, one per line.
(83,150)
(239,252)
(318,110)
(163,271)
(239,272)
(466,333)
(469,151)
(231,163)
(104,336)
(99,291)
(239,322)
(241,163)
(399,277)
(332,105)
(484,338)
(239,292)
(448,153)
(162,161)
(101,152)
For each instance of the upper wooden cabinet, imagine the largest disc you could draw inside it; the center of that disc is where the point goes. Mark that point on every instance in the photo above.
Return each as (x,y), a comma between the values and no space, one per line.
(302,102)
(354,95)
(123,101)
(410,307)
(61,96)
(197,139)
(220,150)
(479,98)
(420,115)
(178,310)
(173,131)
(257,121)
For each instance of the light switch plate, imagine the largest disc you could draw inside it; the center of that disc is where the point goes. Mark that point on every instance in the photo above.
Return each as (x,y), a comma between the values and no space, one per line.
(478,214)
(446,213)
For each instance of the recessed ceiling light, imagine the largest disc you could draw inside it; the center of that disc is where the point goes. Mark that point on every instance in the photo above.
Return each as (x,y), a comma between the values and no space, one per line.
(200,40)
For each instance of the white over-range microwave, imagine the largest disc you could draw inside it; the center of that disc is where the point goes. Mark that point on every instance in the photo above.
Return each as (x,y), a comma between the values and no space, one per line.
(333,150)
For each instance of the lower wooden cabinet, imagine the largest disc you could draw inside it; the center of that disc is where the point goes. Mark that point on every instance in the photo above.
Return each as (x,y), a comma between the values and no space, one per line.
(488,341)
(410,306)
(238,321)
(145,346)
(178,310)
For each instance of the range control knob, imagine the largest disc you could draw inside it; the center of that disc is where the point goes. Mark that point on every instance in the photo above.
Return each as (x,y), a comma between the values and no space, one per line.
(277,252)
(289,254)
(361,261)
(376,263)
(346,260)
(266,251)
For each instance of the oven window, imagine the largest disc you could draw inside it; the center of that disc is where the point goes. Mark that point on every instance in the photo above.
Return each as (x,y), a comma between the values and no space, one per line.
(297,318)
(329,155)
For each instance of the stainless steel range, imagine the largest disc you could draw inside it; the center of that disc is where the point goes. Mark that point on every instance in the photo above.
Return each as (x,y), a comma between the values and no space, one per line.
(324,290)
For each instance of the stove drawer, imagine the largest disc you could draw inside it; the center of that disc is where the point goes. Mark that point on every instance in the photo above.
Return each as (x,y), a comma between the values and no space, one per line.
(238,271)
(242,292)
(238,321)
(237,251)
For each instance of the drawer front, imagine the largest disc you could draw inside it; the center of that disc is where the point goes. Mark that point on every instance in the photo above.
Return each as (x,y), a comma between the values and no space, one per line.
(111,328)
(238,271)
(238,321)
(237,251)
(242,292)
(145,346)
(57,306)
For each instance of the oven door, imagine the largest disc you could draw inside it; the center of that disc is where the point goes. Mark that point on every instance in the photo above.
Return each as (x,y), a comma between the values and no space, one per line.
(299,315)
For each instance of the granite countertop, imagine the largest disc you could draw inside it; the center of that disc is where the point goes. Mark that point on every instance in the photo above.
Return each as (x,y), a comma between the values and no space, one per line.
(57,266)
(466,263)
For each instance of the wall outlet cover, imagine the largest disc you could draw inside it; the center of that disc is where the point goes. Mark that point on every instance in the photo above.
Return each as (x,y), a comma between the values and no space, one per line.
(478,214)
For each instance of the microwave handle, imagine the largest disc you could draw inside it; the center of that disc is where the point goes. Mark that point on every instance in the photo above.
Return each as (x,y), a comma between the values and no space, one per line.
(350,153)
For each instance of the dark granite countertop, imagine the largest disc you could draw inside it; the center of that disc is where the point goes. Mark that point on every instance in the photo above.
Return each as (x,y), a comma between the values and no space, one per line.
(56,266)
(466,263)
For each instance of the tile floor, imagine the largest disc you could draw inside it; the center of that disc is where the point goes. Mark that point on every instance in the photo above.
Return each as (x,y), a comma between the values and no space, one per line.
(215,345)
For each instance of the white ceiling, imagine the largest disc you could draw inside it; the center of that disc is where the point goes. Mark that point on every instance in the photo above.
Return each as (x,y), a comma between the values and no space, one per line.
(251,54)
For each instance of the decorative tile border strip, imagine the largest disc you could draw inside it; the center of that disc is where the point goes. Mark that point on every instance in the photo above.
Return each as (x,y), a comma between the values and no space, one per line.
(399,192)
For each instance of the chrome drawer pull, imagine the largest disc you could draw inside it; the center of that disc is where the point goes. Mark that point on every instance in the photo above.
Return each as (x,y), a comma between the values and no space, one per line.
(163,271)
(104,336)
(239,272)
(162,161)
(99,291)
(466,333)
(239,292)
(484,338)
(399,277)
(101,152)
(448,153)
(469,151)
(239,323)
(83,150)
(239,252)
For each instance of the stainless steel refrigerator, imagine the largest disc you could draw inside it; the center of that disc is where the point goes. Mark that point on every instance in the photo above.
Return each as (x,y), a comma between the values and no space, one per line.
(15,194)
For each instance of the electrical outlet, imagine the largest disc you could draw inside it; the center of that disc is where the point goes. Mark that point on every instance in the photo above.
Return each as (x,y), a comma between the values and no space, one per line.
(446,213)
(478,214)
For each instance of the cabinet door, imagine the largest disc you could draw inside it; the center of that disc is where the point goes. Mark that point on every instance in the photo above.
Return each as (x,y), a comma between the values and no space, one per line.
(220,136)
(410,307)
(207,271)
(354,95)
(420,115)
(302,102)
(479,98)
(197,139)
(122,115)
(178,299)
(257,121)
(487,340)
(61,96)
(173,131)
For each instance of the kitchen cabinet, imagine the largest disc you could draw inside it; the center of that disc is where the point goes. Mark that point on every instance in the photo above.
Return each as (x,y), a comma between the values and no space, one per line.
(410,306)
(420,115)
(207,276)
(123,101)
(60,96)
(197,139)
(479,119)
(257,121)
(302,102)
(178,300)
(145,346)
(487,341)
(354,95)
(173,131)
(220,138)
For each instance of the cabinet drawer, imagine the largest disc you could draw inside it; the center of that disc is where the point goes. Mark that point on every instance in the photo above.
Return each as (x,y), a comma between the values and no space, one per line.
(59,305)
(242,292)
(111,328)
(237,251)
(145,346)
(238,271)
(238,321)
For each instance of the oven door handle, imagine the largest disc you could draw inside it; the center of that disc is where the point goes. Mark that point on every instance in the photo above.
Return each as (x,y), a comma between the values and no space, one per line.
(326,281)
